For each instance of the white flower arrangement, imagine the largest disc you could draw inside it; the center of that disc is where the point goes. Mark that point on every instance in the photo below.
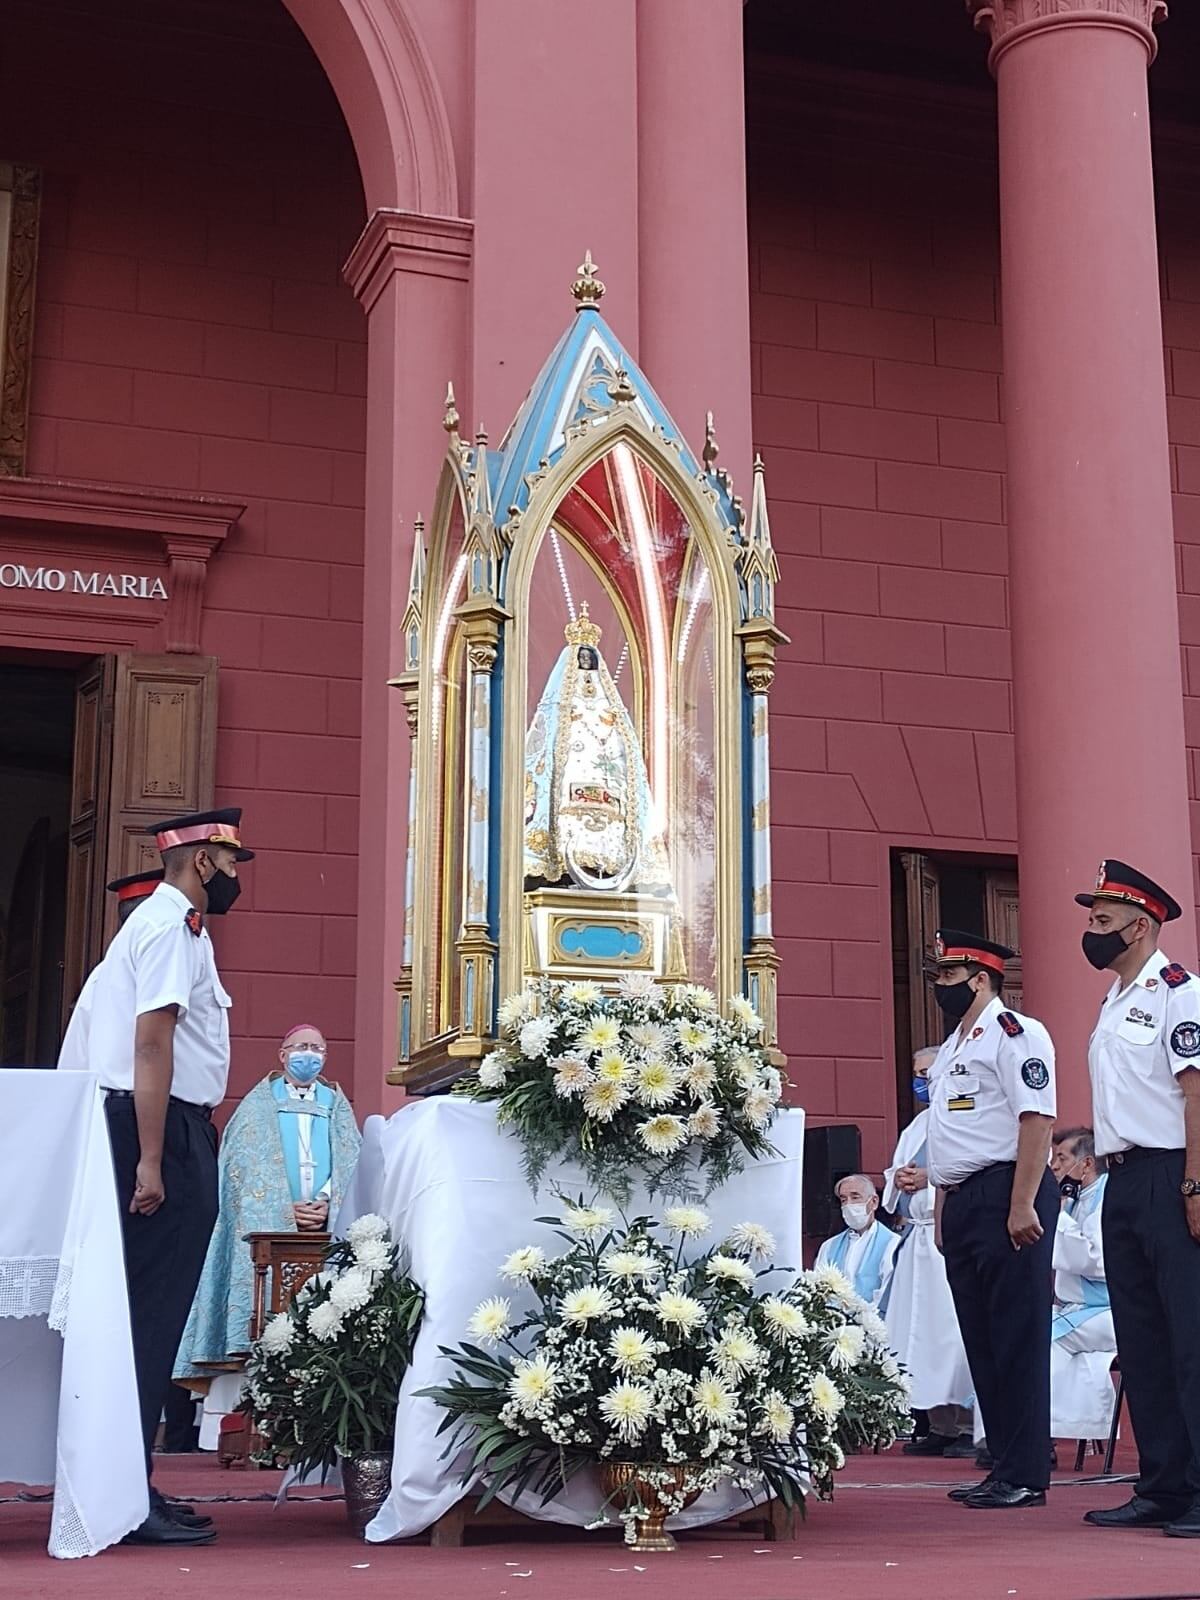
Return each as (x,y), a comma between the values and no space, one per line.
(324,1378)
(649,1081)
(629,1350)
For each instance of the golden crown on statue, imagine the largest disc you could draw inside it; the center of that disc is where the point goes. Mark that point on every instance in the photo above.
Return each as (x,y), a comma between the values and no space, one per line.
(582,630)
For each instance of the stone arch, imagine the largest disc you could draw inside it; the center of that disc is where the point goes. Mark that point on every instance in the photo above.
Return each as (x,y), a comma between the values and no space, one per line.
(380,71)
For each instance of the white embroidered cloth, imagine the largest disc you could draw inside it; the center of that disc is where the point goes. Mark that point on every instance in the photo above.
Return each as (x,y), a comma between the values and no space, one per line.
(451,1186)
(68,1391)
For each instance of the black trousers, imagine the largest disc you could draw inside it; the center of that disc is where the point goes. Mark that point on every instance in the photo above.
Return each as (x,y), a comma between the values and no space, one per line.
(1153,1269)
(1003,1298)
(164,1253)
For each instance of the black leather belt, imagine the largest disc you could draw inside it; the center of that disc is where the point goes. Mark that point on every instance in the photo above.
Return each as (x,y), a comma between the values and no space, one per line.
(184,1105)
(1137,1152)
(996,1166)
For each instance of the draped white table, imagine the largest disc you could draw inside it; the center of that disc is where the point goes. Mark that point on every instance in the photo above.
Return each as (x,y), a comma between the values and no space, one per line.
(451,1186)
(68,1391)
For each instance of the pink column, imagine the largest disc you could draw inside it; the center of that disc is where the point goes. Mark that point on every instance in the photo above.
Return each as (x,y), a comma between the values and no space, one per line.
(1101,761)
(694,292)
(410,274)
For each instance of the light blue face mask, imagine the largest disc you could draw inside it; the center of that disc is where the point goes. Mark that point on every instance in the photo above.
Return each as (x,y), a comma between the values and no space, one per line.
(921,1090)
(304,1065)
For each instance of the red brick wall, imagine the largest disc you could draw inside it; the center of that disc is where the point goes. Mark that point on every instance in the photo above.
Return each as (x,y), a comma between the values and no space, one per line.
(193,332)
(878,409)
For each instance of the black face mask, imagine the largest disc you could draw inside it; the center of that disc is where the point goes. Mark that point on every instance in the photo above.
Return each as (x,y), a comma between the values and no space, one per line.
(955,999)
(222,892)
(1102,949)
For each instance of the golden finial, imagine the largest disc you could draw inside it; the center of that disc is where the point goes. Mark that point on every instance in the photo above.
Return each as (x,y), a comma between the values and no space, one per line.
(711,449)
(583,630)
(481,437)
(450,420)
(587,288)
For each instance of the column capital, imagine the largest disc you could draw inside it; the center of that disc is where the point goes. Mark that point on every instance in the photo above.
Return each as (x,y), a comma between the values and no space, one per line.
(407,241)
(1008,21)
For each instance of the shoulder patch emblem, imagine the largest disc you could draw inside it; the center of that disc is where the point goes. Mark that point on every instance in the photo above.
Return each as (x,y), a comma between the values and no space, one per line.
(1010,1024)
(194,921)
(1174,975)
(1035,1073)
(1185,1039)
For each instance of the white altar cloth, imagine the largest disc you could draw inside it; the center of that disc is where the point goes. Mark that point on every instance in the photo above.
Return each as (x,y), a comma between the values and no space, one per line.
(68,1391)
(451,1186)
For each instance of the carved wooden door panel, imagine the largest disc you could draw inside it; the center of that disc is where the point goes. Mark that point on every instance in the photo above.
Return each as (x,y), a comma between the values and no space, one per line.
(923,896)
(163,753)
(87,834)
(1004,926)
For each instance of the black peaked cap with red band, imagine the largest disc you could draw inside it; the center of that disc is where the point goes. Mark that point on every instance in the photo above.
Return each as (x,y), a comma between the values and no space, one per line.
(953,947)
(135,887)
(204,827)
(1117,880)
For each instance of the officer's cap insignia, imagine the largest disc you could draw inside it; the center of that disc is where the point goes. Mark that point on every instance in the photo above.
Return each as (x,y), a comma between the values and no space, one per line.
(939,946)
(194,921)
(1010,1024)
(1174,975)
(1102,875)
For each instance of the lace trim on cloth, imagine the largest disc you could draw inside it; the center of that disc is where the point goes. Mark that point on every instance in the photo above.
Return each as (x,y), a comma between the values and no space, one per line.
(29,1286)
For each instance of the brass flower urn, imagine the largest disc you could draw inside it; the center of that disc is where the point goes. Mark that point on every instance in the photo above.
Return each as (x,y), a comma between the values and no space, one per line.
(632,1483)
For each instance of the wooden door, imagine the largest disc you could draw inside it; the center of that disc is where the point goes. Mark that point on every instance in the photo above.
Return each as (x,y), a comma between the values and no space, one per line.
(87,833)
(145,745)
(164,738)
(20,983)
(1003,924)
(923,896)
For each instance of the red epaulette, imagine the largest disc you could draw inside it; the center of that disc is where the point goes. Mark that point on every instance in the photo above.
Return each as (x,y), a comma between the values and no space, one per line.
(1174,975)
(195,922)
(1010,1024)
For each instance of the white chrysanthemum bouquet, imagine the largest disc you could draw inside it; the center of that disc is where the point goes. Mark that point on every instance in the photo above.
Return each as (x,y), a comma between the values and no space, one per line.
(651,1081)
(632,1347)
(324,1378)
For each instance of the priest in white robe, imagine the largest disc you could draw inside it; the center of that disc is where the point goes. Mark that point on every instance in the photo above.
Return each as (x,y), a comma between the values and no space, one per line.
(1083,1340)
(919,1308)
(865,1249)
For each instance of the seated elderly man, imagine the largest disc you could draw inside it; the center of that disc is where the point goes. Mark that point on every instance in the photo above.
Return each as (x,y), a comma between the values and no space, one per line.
(1084,1341)
(865,1250)
(286,1159)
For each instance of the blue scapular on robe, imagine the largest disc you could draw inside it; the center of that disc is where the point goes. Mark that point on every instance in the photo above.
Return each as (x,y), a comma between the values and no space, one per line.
(318,1110)
(870,1268)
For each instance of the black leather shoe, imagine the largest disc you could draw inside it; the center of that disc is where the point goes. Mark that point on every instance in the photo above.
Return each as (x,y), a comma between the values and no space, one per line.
(933,1444)
(966,1490)
(161,1528)
(1135,1513)
(1001,1496)
(1187,1526)
(960,1449)
(984,1458)
(179,1511)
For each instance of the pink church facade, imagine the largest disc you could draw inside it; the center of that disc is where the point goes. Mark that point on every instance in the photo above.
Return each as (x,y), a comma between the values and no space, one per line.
(935,298)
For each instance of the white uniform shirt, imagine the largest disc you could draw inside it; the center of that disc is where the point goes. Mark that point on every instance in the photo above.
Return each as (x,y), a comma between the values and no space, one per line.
(73,1055)
(1147,1033)
(156,960)
(980,1084)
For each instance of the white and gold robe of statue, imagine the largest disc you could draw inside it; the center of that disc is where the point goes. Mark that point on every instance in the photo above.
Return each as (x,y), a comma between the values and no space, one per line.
(589,813)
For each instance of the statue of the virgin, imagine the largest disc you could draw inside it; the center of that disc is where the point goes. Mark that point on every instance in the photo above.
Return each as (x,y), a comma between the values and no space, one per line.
(589,814)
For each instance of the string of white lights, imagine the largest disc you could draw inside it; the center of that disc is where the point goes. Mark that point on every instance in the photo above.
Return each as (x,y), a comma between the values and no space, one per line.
(562,574)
